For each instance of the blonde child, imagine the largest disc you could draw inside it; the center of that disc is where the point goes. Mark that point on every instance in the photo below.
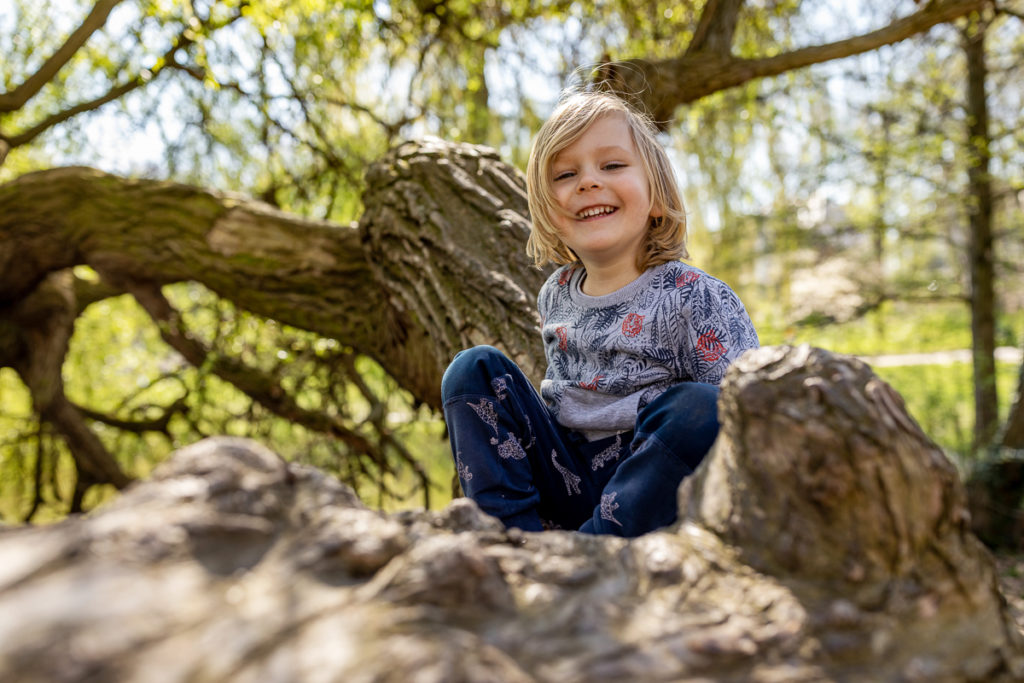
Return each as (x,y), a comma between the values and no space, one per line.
(636,342)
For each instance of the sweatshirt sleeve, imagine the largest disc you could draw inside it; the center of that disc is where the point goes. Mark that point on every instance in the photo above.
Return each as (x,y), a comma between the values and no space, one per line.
(715,330)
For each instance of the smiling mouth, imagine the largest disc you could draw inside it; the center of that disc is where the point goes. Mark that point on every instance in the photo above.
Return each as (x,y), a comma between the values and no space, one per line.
(594,211)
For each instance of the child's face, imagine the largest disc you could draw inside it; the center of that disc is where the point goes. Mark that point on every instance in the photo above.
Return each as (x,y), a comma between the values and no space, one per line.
(600,181)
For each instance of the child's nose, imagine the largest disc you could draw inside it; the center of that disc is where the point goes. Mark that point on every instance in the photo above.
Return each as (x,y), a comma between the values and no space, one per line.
(587,183)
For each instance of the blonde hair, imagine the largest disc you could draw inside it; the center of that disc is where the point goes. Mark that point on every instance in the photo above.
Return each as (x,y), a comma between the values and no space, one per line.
(666,234)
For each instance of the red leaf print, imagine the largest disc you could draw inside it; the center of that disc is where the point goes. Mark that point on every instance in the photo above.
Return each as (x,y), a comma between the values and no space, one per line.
(709,347)
(591,385)
(565,276)
(687,278)
(563,337)
(632,325)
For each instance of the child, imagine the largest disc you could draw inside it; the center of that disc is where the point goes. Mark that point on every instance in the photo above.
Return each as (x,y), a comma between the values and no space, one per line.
(636,342)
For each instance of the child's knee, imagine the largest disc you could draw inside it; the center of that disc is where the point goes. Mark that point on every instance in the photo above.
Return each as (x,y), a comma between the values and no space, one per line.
(700,402)
(683,411)
(470,371)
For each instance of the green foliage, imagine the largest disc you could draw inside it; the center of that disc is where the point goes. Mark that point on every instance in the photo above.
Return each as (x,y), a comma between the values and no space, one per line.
(17,459)
(938,397)
(895,327)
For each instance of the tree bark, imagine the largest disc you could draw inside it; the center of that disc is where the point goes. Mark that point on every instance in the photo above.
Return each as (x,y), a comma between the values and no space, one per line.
(824,538)
(444,233)
(661,86)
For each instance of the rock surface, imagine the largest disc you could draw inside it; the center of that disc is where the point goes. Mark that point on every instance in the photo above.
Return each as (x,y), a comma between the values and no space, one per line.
(825,538)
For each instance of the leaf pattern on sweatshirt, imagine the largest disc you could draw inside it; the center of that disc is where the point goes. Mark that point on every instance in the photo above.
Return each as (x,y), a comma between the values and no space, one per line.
(674,324)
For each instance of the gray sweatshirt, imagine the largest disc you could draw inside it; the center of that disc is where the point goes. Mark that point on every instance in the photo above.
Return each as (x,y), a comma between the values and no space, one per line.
(609,356)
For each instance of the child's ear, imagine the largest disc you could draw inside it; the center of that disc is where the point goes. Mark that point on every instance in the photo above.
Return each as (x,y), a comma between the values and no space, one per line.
(657,210)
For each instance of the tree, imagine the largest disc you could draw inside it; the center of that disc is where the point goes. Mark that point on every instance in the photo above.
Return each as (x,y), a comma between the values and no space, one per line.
(409,287)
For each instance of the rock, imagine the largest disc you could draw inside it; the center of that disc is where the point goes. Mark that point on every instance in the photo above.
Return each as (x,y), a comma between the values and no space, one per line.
(824,538)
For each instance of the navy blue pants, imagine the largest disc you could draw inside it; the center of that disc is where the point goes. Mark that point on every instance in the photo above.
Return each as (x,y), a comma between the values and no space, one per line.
(520,465)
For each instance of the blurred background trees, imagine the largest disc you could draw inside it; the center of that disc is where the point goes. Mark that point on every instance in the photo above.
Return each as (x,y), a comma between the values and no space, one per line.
(854,172)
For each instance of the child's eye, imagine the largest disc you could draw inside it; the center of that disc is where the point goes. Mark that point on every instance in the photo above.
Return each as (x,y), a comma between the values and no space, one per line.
(614,165)
(563,175)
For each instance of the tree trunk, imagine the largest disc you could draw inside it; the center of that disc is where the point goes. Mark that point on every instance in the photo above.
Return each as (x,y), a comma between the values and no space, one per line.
(825,538)
(1013,436)
(444,233)
(980,242)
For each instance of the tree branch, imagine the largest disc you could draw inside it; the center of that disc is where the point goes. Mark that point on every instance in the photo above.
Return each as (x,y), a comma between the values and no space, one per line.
(187,37)
(377,417)
(52,120)
(16,98)
(303,272)
(716,28)
(257,385)
(660,87)
(158,424)
(91,456)
(87,293)
(37,476)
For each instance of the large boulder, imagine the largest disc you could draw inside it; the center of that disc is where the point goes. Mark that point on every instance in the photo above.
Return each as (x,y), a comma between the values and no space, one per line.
(825,538)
